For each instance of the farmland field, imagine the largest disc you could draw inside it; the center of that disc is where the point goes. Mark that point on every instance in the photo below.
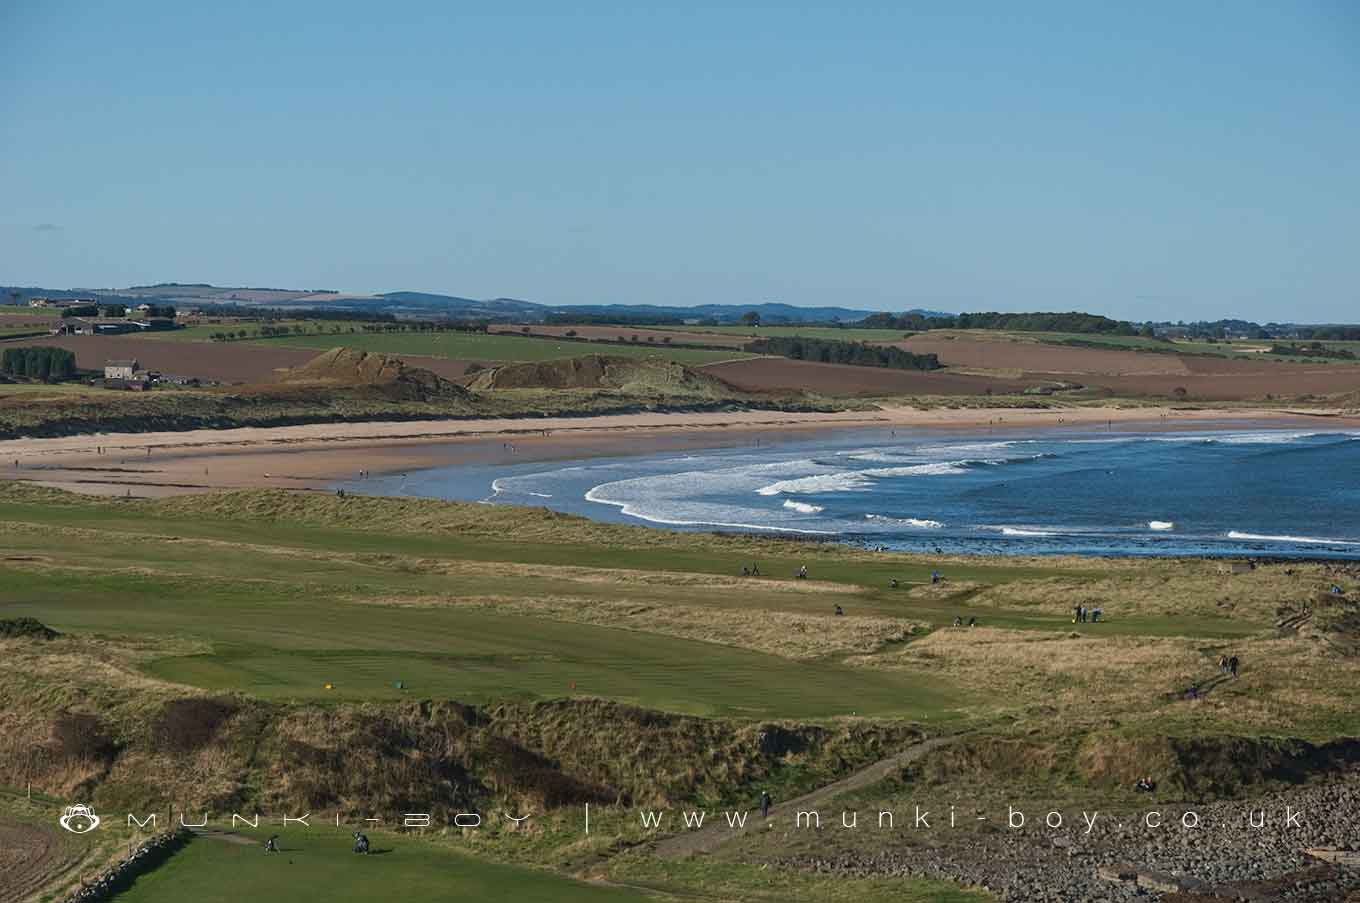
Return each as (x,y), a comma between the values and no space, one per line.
(492,347)
(844,334)
(496,346)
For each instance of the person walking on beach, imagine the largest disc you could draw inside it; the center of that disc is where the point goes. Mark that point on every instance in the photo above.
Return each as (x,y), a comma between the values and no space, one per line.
(764,804)
(755,569)
(1232,666)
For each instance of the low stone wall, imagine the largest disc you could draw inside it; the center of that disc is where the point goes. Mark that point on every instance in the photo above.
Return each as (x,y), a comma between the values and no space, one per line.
(120,877)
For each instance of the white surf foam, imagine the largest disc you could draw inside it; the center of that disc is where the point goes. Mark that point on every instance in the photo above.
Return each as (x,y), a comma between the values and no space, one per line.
(1161,525)
(842,481)
(1311,540)
(936,469)
(1009,530)
(595,495)
(921,522)
(1274,437)
(802,507)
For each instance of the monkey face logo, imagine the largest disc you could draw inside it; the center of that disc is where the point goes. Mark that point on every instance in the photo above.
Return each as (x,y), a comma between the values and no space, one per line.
(79,819)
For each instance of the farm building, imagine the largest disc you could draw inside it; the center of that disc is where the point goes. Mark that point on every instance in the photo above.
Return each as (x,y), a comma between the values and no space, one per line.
(120,369)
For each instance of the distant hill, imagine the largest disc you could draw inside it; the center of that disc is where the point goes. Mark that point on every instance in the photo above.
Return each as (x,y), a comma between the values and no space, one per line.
(724,313)
(430,304)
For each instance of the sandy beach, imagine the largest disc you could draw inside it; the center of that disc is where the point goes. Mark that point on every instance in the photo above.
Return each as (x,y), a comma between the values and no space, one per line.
(310,457)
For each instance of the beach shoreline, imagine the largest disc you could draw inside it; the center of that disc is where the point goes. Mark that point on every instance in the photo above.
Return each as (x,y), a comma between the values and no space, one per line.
(312,457)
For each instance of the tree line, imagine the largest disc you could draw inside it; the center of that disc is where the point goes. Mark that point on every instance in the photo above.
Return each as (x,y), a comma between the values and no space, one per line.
(834,351)
(1072,321)
(40,362)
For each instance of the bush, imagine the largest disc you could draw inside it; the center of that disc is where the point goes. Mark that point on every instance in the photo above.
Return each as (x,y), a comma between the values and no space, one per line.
(77,735)
(185,725)
(26,627)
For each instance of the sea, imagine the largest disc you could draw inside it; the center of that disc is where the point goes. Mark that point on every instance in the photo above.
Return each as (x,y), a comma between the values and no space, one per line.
(1260,492)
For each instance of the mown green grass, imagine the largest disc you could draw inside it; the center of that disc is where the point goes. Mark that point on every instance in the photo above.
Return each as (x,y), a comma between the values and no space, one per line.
(287,607)
(287,643)
(318,865)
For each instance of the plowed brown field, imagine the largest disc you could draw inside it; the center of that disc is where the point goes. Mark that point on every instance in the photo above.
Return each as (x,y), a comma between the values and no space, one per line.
(228,362)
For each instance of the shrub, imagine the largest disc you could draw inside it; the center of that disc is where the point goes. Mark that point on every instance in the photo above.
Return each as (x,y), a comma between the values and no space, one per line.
(26,627)
(77,735)
(185,725)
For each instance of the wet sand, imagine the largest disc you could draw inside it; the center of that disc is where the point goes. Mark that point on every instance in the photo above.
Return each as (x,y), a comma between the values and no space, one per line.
(311,457)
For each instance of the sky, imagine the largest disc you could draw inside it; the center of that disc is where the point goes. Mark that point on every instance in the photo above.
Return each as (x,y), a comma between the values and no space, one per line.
(1186,160)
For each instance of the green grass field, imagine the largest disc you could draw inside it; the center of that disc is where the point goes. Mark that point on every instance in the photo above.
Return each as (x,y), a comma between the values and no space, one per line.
(318,866)
(295,625)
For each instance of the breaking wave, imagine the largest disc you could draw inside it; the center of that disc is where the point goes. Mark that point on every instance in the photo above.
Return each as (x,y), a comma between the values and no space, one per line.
(1161,525)
(845,481)
(803,507)
(1006,530)
(632,510)
(906,521)
(1309,540)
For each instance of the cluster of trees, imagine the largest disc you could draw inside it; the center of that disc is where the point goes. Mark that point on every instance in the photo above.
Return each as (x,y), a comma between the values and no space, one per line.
(250,312)
(1330,333)
(84,310)
(1073,321)
(830,351)
(41,362)
(1312,349)
(269,330)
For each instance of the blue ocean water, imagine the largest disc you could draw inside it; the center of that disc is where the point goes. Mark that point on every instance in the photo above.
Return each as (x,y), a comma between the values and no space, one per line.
(1258,492)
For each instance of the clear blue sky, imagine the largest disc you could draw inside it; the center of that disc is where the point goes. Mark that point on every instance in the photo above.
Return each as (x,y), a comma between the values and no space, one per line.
(1163,160)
